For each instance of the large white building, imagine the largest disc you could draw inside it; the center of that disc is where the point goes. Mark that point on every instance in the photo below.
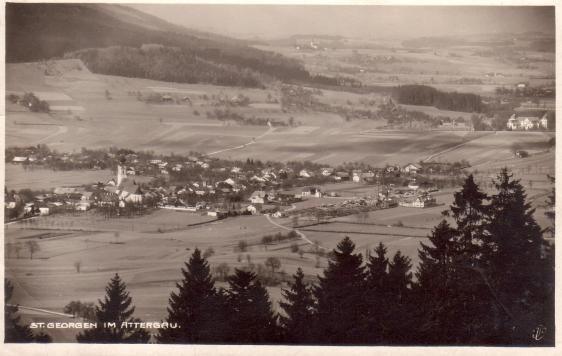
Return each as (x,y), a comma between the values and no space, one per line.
(528,120)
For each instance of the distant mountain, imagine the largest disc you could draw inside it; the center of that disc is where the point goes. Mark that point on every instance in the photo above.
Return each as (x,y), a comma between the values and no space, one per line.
(43,31)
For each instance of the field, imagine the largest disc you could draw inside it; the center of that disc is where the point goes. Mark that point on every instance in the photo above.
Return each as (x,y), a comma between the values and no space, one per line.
(17,177)
(180,127)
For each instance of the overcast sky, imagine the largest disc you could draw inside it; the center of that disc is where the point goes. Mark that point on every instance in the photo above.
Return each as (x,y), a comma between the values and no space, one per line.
(354,21)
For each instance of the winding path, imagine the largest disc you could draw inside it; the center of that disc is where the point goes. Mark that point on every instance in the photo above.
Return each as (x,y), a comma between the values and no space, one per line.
(302,235)
(270,130)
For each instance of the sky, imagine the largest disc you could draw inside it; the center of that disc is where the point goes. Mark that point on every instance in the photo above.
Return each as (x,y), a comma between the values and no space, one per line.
(276,21)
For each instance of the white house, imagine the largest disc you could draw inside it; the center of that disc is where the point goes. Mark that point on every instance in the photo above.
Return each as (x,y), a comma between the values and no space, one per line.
(19,159)
(411,168)
(528,120)
(311,192)
(305,174)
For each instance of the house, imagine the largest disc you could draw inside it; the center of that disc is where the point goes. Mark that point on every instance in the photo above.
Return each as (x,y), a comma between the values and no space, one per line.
(311,192)
(64,190)
(411,168)
(44,211)
(19,159)
(327,171)
(258,197)
(84,206)
(528,120)
(252,209)
(305,174)
(356,177)
(342,176)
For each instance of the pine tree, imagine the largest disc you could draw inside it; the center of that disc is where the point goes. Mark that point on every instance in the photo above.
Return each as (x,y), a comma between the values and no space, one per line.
(376,287)
(438,291)
(400,313)
(115,308)
(469,212)
(340,297)
(252,320)
(196,308)
(15,331)
(298,310)
(516,268)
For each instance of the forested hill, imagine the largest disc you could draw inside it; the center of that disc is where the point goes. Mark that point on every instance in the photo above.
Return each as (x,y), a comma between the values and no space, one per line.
(42,31)
(426,95)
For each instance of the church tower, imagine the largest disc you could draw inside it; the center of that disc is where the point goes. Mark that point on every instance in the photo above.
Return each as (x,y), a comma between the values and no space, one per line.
(121,174)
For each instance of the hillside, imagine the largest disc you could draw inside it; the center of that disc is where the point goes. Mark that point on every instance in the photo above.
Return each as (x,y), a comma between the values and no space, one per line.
(43,31)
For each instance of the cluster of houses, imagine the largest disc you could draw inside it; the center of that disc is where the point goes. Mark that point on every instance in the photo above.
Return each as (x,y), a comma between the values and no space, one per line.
(422,200)
(210,187)
(528,120)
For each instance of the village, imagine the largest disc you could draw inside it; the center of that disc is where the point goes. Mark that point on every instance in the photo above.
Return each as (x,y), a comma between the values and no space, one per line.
(218,188)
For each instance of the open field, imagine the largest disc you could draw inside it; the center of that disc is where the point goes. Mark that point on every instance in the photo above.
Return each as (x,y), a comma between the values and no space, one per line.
(126,122)
(17,177)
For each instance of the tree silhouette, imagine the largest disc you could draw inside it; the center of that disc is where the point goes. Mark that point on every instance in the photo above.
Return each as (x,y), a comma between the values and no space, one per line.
(377,290)
(340,297)
(518,274)
(196,308)
(298,310)
(252,319)
(115,308)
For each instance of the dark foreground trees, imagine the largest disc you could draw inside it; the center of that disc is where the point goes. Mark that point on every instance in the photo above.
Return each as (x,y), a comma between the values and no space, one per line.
(116,308)
(198,309)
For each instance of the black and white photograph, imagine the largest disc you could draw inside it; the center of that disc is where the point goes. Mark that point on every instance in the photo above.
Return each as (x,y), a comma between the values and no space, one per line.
(280,174)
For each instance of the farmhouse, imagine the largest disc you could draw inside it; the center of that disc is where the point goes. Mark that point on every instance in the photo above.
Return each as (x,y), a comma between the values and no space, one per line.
(421,201)
(311,192)
(18,159)
(411,168)
(528,120)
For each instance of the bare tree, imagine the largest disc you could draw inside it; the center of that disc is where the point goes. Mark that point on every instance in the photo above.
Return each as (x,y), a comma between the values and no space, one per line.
(242,245)
(273,263)
(33,247)
(17,249)
(222,270)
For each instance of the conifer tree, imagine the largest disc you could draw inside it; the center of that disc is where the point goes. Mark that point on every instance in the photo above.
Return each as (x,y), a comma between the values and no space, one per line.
(340,295)
(251,319)
(298,309)
(197,308)
(517,271)
(437,287)
(15,331)
(115,308)
(469,212)
(376,297)
(400,311)
(468,297)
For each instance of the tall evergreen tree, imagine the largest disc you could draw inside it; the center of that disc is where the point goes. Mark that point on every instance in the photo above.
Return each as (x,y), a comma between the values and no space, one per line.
(400,320)
(437,288)
(517,270)
(376,297)
(115,308)
(15,331)
(252,320)
(197,308)
(340,297)
(469,212)
(298,309)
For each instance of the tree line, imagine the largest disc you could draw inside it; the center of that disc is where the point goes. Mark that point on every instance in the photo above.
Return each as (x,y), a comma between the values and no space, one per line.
(429,96)
(486,277)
